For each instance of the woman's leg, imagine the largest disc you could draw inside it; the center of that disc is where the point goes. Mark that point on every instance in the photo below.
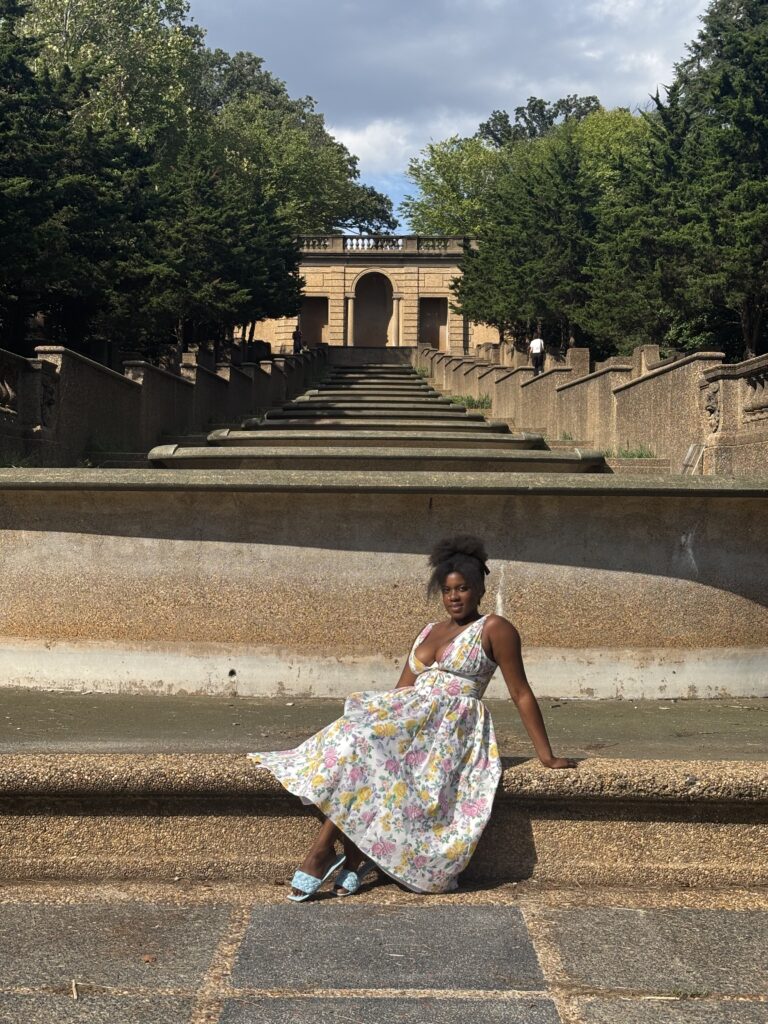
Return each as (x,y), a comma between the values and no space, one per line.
(321,853)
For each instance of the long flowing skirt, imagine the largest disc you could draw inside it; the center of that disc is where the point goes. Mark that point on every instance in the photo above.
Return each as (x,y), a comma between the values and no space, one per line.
(409,775)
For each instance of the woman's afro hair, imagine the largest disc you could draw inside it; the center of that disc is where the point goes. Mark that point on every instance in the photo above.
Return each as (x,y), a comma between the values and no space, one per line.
(463,553)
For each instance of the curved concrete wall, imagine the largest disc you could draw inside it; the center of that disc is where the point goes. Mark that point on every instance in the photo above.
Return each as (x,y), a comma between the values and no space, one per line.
(313,583)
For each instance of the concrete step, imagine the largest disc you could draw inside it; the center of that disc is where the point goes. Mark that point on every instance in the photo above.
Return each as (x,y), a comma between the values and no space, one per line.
(374,438)
(373,382)
(378,423)
(300,413)
(219,816)
(397,409)
(373,392)
(426,404)
(373,396)
(430,460)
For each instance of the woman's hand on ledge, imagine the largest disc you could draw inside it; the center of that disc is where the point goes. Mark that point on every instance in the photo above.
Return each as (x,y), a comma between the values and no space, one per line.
(559,762)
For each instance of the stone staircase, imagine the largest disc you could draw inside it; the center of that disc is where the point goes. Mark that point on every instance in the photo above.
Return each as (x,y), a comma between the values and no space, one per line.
(374,417)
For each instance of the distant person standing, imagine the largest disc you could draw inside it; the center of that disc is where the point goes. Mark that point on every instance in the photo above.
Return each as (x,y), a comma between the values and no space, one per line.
(297,342)
(536,352)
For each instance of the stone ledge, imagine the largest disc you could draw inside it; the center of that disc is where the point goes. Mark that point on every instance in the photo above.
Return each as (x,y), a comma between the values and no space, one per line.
(597,485)
(156,776)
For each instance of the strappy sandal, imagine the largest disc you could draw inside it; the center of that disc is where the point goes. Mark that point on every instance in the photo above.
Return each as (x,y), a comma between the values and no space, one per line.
(308,884)
(348,882)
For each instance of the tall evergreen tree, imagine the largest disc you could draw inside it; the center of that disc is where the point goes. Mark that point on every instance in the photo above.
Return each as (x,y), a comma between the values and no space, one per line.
(723,148)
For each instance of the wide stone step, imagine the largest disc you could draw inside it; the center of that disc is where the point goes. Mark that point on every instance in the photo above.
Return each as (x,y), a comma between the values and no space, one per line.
(378,422)
(300,413)
(433,460)
(396,404)
(371,396)
(373,439)
(371,380)
(221,817)
(351,392)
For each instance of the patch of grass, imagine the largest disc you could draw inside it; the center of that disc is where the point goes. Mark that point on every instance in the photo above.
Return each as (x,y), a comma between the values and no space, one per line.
(470,402)
(565,436)
(421,372)
(641,451)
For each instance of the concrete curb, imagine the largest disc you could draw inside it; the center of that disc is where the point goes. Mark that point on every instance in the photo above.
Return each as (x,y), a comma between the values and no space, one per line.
(597,485)
(153,776)
(218,817)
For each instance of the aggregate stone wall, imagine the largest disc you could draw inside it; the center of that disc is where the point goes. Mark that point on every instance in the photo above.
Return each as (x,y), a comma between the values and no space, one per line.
(661,409)
(315,584)
(61,407)
(638,404)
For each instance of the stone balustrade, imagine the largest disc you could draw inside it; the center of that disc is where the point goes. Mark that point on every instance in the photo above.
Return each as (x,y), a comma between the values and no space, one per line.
(59,408)
(637,404)
(366,244)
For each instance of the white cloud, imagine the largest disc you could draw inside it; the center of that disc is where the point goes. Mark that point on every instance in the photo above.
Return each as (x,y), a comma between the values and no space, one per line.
(381,145)
(391,77)
(385,146)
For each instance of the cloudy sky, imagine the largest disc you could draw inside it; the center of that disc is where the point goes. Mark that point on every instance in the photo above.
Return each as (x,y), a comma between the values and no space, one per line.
(391,75)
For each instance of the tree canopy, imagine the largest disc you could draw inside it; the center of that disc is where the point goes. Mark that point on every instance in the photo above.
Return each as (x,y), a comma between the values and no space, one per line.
(619,227)
(152,190)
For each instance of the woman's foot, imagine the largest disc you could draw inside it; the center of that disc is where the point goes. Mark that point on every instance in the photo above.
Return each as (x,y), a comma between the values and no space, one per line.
(316,864)
(354,858)
(349,882)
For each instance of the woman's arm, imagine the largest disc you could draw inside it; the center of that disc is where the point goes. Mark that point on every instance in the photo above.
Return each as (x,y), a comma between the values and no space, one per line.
(407,678)
(504,641)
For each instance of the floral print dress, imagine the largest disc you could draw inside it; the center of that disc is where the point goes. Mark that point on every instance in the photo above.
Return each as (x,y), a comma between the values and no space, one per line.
(408,774)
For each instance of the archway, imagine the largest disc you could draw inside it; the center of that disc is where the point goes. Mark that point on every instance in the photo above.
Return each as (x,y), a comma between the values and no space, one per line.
(373,310)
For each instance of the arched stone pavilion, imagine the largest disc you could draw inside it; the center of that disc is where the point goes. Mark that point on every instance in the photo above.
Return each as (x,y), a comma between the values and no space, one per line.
(375,291)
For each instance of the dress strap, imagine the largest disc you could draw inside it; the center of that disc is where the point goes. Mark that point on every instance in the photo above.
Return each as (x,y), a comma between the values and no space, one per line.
(423,635)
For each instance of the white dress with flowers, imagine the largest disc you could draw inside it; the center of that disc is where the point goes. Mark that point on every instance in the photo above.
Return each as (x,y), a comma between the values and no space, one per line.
(409,774)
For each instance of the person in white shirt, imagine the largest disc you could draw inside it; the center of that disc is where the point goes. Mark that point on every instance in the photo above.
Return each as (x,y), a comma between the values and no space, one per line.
(536,352)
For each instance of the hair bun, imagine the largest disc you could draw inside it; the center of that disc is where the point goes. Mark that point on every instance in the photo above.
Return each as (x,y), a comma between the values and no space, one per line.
(461,544)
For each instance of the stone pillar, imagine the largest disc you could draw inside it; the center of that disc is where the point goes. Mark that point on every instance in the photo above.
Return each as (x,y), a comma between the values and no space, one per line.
(396,299)
(349,336)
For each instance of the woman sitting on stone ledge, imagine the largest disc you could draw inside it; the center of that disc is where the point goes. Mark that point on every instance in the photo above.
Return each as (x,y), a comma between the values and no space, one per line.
(406,778)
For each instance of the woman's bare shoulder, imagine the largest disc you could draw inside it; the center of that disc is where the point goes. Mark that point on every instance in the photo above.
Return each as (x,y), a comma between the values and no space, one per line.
(503,629)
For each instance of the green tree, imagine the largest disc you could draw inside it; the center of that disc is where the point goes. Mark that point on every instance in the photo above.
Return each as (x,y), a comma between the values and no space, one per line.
(29,121)
(454,180)
(723,152)
(629,181)
(145,56)
(536,118)
(527,271)
(219,254)
(311,177)
(65,212)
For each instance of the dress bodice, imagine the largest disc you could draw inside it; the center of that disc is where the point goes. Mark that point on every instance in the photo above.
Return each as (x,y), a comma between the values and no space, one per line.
(464,665)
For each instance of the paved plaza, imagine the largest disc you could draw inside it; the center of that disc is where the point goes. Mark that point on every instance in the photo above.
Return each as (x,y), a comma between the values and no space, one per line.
(42,722)
(199,954)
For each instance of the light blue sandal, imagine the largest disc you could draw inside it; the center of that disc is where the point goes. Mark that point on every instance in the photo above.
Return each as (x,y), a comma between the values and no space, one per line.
(348,882)
(308,884)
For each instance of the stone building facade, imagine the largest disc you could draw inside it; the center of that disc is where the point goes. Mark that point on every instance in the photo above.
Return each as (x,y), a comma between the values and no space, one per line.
(376,291)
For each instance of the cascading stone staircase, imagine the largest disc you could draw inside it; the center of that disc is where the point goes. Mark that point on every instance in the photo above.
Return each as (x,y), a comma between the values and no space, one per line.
(376,417)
